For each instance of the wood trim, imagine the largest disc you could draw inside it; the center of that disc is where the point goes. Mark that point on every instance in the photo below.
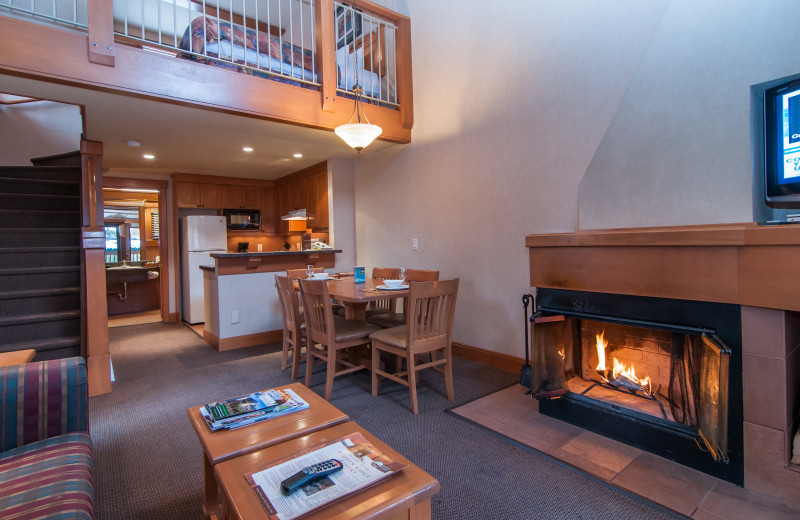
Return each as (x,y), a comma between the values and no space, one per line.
(405,89)
(97,354)
(324,21)
(743,264)
(249,340)
(305,173)
(101,32)
(213,179)
(505,362)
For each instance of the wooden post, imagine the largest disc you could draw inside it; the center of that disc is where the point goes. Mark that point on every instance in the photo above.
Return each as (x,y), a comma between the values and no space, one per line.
(93,243)
(323,20)
(101,32)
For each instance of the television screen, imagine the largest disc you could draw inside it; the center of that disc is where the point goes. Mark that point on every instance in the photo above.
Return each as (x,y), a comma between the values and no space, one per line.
(782,145)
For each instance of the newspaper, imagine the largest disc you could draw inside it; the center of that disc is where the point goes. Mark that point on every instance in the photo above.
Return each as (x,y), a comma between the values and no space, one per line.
(363,465)
(289,402)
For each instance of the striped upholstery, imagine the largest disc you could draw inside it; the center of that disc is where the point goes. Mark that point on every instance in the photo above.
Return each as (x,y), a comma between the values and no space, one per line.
(52,479)
(41,400)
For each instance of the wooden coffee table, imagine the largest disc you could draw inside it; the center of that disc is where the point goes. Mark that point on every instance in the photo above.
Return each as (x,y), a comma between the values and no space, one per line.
(406,495)
(222,445)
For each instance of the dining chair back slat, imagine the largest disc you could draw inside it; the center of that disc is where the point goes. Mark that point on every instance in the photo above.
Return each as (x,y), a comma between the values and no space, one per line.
(293,334)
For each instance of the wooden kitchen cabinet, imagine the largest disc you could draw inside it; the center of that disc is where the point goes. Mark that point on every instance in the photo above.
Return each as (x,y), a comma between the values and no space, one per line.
(199,195)
(321,192)
(269,216)
(240,197)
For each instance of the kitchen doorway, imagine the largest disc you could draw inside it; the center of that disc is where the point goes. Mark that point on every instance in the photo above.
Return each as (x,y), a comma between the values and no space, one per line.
(137,252)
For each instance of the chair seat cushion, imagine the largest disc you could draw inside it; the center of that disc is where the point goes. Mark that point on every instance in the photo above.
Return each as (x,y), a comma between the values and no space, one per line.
(394,337)
(375,312)
(51,478)
(388,320)
(352,329)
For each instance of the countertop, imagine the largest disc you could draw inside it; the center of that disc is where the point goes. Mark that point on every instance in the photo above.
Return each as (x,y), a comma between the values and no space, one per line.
(275,253)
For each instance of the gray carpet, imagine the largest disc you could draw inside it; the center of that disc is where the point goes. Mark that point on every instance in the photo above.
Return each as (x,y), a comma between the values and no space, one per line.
(148,462)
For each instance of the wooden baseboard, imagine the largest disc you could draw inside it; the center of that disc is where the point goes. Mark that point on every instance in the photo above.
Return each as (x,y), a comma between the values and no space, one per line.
(174,317)
(249,340)
(505,362)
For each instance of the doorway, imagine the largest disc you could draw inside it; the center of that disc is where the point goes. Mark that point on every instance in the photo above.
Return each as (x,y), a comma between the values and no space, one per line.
(136,255)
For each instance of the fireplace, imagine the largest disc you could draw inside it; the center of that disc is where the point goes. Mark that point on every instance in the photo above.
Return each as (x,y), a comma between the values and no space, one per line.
(663,375)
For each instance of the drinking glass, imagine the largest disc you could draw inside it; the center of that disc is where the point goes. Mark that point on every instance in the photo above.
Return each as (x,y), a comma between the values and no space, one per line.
(309,271)
(402,273)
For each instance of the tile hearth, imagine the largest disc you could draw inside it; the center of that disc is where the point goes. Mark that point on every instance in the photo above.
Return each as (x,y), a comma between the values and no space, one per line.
(515,415)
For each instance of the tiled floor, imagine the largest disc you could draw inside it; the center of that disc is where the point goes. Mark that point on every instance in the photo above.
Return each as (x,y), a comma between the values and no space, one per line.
(702,497)
(134,319)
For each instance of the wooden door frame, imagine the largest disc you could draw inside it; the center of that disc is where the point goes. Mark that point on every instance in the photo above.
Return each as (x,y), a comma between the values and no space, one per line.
(163,232)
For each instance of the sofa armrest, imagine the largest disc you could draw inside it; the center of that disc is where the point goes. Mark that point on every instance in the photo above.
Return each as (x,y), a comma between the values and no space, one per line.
(42,399)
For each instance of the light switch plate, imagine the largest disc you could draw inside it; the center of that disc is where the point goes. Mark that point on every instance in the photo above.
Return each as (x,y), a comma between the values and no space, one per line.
(414,244)
(234,316)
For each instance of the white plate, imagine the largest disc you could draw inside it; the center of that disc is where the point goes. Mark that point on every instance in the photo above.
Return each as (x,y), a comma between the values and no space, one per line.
(398,288)
(326,278)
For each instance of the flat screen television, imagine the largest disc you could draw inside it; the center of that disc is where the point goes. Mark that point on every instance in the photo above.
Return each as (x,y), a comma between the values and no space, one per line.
(782,145)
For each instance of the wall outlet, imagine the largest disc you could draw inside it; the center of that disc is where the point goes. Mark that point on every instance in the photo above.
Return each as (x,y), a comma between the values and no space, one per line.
(414,244)
(260,247)
(234,316)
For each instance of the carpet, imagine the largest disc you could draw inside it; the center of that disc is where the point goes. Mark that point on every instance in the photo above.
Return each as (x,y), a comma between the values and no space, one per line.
(148,461)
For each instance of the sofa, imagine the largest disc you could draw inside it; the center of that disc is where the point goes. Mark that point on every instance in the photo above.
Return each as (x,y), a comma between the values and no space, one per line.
(46,459)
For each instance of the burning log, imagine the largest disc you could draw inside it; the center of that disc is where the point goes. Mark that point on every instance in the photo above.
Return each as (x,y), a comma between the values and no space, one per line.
(620,376)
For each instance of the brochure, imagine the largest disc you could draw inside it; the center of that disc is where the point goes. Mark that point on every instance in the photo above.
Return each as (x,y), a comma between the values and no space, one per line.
(363,465)
(286,401)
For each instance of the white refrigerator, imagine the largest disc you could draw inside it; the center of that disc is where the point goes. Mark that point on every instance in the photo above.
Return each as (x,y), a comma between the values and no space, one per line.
(201,235)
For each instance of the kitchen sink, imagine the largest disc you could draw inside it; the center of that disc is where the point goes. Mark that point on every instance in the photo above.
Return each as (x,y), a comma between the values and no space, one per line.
(130,273)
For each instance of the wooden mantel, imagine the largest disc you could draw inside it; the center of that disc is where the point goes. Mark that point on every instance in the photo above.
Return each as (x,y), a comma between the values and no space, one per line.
(745,263)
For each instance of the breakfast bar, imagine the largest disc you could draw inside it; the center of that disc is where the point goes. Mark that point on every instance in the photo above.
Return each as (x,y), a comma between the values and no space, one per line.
(241,304)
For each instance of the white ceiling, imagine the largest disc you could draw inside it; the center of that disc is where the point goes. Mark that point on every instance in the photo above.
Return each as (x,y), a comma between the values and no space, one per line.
(188,140)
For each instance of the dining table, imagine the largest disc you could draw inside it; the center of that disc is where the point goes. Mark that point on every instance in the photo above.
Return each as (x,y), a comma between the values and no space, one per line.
(356,296)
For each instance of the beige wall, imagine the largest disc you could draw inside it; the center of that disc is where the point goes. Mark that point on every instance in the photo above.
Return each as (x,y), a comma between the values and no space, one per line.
(549,116)
(38,129)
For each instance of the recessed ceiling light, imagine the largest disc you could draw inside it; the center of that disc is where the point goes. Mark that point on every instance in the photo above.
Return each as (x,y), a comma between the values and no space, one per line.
(149,156)
(297,155)
(247,149)
(134,144)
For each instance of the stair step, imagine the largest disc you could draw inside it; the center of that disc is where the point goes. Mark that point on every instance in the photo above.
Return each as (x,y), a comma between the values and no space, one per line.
(64,173)
(25,237)
(24,185)
(57,326)
(27,319)
(22,218)
(34,257)
(44,345)
(36,293)
(28,278)
(32,201)
(18,303)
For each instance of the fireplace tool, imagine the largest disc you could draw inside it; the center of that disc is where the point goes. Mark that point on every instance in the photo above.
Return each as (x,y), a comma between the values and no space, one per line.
(525,377)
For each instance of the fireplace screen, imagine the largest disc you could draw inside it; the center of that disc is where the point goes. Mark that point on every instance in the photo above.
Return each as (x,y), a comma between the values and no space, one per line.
(663,375)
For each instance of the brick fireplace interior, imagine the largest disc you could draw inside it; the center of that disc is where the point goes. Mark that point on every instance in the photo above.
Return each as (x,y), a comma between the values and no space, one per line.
(746,274)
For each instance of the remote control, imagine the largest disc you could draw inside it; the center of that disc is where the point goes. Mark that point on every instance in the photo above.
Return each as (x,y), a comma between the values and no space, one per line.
(309,474)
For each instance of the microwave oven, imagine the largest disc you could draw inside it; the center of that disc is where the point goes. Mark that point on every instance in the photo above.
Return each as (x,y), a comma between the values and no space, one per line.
(242,219)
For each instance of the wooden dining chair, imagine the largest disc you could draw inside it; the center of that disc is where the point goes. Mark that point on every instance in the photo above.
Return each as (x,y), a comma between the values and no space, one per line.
(294,337)
(428,330)
(332,333)
(387,320)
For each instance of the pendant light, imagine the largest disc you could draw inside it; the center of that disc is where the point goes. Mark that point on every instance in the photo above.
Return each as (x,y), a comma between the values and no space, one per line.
(358,135)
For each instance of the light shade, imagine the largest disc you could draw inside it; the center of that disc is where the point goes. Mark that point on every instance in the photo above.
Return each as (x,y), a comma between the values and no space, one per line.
(358,135)
(297,225)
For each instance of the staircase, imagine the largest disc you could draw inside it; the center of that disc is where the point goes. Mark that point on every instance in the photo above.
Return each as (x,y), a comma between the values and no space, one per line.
(40,260)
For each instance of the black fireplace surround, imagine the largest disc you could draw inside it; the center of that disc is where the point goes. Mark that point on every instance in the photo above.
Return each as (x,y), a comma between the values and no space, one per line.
(669,440)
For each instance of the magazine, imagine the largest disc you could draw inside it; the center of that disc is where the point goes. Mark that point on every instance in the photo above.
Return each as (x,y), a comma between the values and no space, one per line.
(286,401)
(364,465)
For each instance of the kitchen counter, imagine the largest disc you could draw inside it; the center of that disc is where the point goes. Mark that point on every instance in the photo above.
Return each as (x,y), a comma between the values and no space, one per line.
(240,300)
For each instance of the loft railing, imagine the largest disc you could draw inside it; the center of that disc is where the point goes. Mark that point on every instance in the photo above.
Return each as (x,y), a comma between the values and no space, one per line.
(72,13)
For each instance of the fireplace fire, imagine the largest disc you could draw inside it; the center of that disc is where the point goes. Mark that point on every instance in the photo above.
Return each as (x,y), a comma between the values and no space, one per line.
(633,369)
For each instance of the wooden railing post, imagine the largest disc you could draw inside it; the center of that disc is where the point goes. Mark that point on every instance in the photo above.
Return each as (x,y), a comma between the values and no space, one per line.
(323,21)
(101,32)
(93,243)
